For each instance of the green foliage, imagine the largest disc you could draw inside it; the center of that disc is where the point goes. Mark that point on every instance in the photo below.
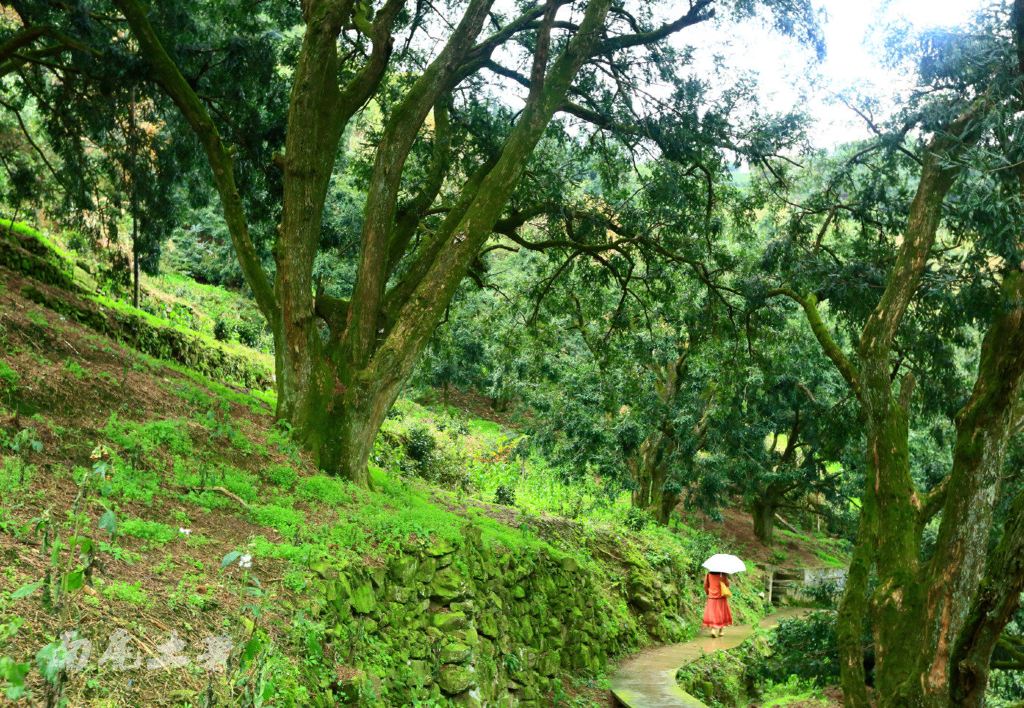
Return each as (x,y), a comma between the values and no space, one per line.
(322,489)
(721,679)
(141,439)
(156,534)
(637,519)
(8,381)
(12,672)
(282,476)
(132,593)
(286,520)
(75,369)
(803,648)
(15,475)
(794,691)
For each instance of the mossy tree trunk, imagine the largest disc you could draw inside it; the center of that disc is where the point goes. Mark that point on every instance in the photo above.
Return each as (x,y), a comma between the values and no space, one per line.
(919,611)
(996,602)
(649,468)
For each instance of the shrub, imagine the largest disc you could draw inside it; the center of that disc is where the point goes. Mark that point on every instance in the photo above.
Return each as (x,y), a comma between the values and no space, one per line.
(221,330)
(420,445)
(505,495)
(825,594)
(250,332)
(637,519)
(805,648)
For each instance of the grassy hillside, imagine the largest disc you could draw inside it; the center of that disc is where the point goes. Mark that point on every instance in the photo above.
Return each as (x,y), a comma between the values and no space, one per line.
(141,501)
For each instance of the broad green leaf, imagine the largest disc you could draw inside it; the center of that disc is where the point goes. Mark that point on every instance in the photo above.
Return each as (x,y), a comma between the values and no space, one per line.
(108,522)
(230,558)
(74,580)
(26,590)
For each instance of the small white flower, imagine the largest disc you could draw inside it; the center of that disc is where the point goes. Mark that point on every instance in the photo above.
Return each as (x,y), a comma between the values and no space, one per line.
(184,531)
(245,561)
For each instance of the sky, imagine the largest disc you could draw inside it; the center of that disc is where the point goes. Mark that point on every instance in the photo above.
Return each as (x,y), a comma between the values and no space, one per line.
(853,33)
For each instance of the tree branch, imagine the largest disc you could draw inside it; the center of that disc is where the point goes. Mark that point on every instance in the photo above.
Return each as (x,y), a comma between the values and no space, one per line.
(695,15)
(821,333)
(169,76)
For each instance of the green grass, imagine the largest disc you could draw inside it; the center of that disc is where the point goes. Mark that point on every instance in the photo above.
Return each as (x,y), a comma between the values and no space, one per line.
(208,304)
(26,230)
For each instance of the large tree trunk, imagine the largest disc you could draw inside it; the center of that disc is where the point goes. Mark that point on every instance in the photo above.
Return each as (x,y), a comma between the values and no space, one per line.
(853,609)
(649,469)
(890,525)
(983,429)
(763,510)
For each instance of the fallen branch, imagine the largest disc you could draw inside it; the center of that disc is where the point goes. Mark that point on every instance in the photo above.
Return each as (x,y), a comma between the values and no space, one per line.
(221,490)
(788,525)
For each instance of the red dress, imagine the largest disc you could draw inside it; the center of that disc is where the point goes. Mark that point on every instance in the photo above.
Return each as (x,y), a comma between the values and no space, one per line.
(716,611)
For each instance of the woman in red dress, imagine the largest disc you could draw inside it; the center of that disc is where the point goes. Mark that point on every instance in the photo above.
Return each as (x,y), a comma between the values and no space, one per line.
(717,614)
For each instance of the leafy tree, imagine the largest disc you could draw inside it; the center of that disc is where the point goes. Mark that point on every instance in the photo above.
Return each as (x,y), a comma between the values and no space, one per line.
(781,427)
(342,360)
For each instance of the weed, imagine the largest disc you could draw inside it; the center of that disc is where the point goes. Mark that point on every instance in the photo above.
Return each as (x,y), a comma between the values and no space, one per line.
(283,476)
(74,368)
(15,475)
(125,592)
(36,317)
(8,381)
(287,521)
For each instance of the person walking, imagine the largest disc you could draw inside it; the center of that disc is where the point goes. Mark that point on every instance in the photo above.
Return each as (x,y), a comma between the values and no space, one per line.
(717,615)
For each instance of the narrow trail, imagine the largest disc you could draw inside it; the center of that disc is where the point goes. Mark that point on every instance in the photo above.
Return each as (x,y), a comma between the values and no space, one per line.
(648,679)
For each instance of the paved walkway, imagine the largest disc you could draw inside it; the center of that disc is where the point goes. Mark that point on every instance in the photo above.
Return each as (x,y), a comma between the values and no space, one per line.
(648,679)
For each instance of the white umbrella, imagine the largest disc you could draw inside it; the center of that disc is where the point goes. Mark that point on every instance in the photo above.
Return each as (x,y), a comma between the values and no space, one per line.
(724,563)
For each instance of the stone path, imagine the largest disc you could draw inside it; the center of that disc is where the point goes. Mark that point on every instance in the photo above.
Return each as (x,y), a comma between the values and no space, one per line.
(648,679)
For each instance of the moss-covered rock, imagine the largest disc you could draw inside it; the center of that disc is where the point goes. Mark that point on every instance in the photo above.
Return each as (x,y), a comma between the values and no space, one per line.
(454,679)
(363,599)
